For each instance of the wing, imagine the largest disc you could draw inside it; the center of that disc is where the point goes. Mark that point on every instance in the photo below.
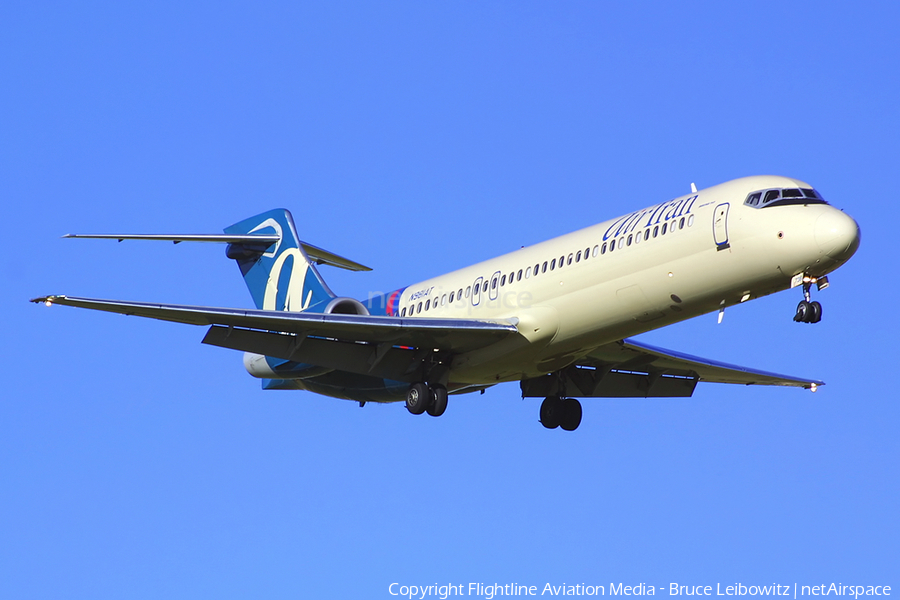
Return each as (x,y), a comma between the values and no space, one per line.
(447,335)
(633,369)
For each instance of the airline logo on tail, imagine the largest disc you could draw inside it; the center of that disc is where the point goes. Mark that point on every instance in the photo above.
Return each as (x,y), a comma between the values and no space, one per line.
(293,300)
(280,277)
(277,227)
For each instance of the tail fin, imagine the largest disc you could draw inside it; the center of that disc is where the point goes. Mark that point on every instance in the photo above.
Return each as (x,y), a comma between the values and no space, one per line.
(280,275)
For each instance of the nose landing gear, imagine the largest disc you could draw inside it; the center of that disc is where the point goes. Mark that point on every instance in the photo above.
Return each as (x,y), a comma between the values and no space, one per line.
(809,312)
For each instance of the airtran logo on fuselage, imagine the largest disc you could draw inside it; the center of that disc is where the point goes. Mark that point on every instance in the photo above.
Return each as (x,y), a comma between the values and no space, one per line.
(654,214)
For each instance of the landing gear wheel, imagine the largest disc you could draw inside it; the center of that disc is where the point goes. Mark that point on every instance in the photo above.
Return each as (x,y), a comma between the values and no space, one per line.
(438,403)
(551,412)
(418,398)
(815,312)
(807,311)
(571,414)
(804,311)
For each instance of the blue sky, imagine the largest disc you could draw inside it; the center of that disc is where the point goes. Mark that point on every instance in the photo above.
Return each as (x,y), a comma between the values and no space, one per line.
(418,138)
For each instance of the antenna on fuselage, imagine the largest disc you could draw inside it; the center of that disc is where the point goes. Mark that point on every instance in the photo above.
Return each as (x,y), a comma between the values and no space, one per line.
(693,188)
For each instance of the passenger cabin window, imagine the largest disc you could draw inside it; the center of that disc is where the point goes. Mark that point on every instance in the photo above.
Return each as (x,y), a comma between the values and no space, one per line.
(519,275)
(451,297)
(403,312)
(578,256)
(552,264)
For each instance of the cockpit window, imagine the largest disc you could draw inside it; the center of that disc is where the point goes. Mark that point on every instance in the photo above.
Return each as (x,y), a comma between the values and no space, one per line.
(782,197)
(771,196)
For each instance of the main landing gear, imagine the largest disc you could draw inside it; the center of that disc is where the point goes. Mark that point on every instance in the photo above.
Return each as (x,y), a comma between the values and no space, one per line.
(809,312)
(561,412)
(424,398)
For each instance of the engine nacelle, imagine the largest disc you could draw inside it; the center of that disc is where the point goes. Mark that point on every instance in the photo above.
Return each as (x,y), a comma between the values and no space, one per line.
(258,366)
(346,306)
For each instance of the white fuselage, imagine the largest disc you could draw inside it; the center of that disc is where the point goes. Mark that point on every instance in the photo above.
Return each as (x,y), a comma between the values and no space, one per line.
(715,251)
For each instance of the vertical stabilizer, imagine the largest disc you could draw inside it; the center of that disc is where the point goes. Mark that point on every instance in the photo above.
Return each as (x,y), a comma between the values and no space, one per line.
(280,275)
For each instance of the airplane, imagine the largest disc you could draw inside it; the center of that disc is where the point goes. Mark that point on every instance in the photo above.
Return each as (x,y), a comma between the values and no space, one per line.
(556,317)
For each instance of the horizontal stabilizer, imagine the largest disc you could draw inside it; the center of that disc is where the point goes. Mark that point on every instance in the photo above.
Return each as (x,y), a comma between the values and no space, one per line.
(319,255)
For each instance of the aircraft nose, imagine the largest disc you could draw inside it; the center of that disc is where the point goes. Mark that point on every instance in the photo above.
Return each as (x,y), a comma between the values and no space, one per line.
(837,234)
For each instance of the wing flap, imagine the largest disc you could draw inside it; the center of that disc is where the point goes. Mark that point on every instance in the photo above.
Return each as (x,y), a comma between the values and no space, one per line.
(378,360)
(458,335)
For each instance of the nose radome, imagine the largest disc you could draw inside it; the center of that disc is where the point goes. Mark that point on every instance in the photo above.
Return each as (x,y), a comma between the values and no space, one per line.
(837,234)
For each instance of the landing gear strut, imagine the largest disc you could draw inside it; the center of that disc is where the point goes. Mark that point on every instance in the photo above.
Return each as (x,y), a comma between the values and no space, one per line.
(808,312)
(561,412)
(424,398)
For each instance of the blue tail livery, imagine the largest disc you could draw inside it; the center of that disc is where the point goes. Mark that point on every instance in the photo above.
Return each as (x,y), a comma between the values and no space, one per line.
(280,276)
